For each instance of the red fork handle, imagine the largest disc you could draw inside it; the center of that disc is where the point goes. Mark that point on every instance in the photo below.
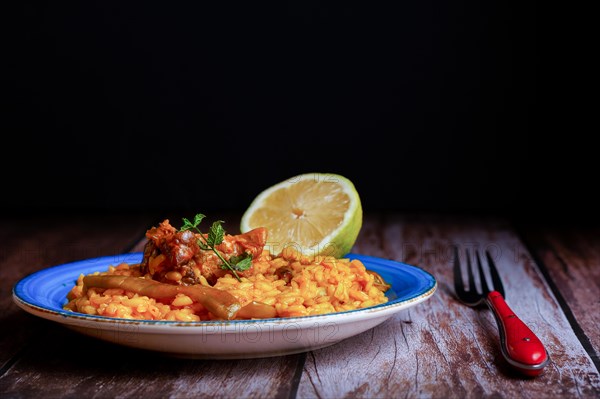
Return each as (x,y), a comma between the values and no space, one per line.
(521,348)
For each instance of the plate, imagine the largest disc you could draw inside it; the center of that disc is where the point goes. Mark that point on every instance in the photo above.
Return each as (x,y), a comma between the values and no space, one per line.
(43,294)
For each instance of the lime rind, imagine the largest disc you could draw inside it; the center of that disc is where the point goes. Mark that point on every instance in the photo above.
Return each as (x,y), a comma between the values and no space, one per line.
(339,241)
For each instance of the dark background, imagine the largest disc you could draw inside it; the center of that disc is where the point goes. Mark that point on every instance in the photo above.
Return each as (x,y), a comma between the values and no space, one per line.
(427,106)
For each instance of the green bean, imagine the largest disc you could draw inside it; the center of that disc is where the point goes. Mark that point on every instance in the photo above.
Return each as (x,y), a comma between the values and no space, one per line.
(220,303)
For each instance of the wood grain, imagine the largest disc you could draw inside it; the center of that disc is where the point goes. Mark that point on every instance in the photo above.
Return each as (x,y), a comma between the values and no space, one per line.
(441,348)
(66,364)
(437,349)
(31,244)
(571,257)
(42,359)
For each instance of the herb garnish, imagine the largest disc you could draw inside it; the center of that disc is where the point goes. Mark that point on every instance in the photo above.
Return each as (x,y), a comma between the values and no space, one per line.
(214,238)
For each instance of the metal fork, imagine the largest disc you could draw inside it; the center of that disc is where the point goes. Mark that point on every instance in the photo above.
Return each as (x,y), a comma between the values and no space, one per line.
(521,348)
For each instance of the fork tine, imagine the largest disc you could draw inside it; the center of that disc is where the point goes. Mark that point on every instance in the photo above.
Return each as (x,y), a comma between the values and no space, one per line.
(472,287)
(484,286)
(458,282)
(494,273)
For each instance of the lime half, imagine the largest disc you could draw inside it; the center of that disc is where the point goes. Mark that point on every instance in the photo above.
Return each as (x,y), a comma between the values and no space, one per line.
(314,213)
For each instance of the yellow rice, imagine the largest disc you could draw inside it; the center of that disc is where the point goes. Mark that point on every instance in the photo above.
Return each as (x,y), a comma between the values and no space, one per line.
(318,285)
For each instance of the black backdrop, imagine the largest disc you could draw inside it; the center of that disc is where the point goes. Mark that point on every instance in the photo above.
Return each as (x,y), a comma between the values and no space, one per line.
(425,105)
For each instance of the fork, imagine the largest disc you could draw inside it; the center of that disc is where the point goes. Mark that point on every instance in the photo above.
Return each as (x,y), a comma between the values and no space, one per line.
(521,348)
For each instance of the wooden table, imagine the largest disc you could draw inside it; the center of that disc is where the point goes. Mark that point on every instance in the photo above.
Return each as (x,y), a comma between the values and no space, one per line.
(438,348)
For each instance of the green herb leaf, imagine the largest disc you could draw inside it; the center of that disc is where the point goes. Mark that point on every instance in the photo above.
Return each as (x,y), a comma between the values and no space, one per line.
(187,225)
(198,219)
(241,262)
(215,237)
(215,234)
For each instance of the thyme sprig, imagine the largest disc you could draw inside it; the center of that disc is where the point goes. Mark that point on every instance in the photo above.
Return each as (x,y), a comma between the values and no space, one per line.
(215,236)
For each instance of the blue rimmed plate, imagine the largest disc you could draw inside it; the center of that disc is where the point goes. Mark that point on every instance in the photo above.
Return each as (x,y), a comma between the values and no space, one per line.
(43,294)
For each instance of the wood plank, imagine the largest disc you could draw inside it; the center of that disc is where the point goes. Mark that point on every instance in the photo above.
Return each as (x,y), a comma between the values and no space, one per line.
(571,256)
(441,348)
(30,244)
(65,363)
(437,349)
